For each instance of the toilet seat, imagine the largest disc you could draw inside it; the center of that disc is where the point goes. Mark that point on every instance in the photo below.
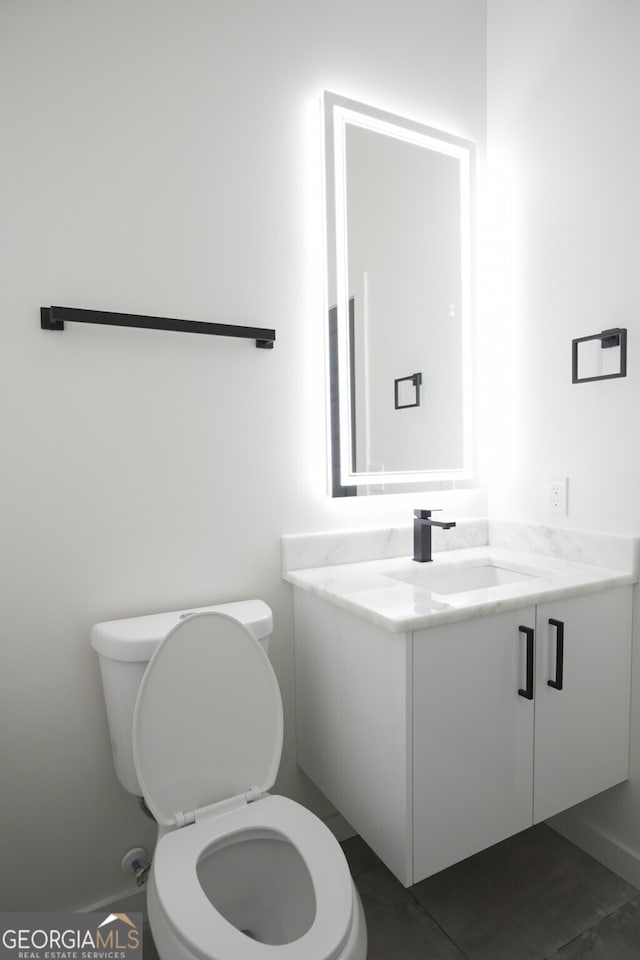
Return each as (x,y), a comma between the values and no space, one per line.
(207,724)
(196,922)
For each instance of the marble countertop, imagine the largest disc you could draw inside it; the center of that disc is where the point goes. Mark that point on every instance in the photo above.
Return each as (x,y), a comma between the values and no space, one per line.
(370,589)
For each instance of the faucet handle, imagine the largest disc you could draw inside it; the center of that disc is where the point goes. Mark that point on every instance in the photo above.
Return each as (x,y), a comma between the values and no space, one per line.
(425,514)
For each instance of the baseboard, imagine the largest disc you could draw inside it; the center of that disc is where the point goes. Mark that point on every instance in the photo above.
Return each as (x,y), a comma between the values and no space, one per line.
(609,851)
(340,828)
(133,902)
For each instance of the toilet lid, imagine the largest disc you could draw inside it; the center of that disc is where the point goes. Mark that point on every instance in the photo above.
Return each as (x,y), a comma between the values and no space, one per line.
(207,724)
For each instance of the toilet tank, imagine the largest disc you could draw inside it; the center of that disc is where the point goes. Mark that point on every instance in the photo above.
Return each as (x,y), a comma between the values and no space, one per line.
(124,649)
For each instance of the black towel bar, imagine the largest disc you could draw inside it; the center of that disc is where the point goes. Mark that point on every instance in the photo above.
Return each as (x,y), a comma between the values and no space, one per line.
(53,318)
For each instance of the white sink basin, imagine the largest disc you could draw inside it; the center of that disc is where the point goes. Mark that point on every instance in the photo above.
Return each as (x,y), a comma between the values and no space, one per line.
(462,579)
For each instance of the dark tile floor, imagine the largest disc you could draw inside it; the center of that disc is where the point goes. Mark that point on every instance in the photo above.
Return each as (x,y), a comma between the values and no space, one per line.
(533,897)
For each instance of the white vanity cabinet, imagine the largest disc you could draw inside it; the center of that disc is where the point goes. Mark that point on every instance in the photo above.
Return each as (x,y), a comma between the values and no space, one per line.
(426,740)
(487,760)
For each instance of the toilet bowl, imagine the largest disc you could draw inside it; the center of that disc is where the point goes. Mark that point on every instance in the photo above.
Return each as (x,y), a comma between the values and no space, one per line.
(268,880)
(237,874)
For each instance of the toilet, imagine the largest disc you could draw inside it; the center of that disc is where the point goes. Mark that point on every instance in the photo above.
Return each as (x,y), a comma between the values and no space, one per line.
(196,724)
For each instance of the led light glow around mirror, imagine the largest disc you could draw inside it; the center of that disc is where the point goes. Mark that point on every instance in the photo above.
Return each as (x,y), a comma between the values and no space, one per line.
(340,115)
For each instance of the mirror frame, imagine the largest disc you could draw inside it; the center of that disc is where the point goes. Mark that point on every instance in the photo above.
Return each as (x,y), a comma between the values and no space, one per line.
(338,112)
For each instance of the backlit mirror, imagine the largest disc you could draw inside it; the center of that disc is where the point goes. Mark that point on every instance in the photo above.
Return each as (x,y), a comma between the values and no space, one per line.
(399,231)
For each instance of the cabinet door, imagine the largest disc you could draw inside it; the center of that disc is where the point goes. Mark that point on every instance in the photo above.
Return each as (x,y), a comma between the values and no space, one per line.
(582,730)
(473,734)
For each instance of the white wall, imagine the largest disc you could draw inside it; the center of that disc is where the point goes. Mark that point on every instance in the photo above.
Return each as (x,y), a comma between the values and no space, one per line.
(563,146)
(564,152)
(163,157)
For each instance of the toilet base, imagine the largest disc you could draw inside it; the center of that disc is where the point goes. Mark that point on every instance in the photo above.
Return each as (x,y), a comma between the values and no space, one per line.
(170,948)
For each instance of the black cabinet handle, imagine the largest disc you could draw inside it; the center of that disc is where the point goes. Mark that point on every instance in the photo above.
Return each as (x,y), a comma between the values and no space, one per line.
(527,693)
(559,625)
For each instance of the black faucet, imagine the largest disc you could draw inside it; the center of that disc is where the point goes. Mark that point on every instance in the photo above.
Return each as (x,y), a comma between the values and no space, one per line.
(422,524)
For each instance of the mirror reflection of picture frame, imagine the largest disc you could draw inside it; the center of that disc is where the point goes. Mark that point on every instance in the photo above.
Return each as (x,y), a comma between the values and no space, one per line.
(601,356)
(438,443)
